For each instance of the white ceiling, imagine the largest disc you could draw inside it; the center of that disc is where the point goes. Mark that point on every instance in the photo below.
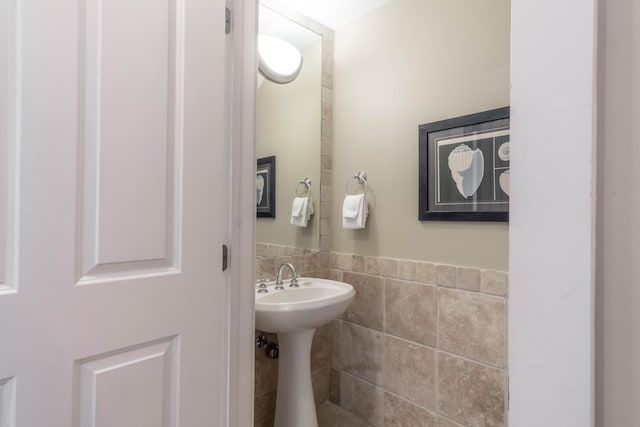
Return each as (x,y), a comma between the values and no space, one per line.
(334,13)
(274,24)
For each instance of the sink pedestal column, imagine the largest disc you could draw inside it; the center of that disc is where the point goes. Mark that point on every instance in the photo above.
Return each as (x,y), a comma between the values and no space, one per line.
(295,405)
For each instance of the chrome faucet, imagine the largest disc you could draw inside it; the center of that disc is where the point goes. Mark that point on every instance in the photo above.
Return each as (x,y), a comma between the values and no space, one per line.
(294,276)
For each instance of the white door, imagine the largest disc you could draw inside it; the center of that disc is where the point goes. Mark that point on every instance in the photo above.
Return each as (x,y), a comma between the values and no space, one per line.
(113,212)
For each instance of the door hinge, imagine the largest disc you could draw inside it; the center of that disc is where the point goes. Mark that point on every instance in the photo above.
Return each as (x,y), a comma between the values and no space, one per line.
(227,20)
(225,257)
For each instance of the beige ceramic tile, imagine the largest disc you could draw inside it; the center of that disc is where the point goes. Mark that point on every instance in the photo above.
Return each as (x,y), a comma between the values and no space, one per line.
(410,311)
(362,399)
(367,306)
(426,273)
(401,413)
(327,55)
(325,243)
(443,422)
(470,393)
(327,414)
(473,325)
(494,282)
(327,33)
(446,275)
(323,260)
(326,161)
(326,147)
(334,386)
(325,210)
(346,419)
(264,410)
(325,194)
(320,383)
(362,352)
(344,261)
(325,227)
(409,371)
(327,114)
(385,267)
(265,269)
(327,96)
(335,275)
(358,264)
(321,347)
(331,415)
(406,270)
(333,260)
(327,79)
(469,279)
(312,262)
(335,343)
(326,128)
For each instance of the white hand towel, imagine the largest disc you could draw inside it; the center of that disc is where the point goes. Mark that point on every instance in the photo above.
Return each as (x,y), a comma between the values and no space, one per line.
(301,210)
(354,211)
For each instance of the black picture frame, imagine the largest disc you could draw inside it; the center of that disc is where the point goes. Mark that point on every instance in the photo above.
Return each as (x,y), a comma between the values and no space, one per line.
(454,158)
(266,196)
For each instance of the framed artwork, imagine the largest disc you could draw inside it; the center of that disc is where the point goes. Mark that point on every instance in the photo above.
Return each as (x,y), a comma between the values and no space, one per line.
(266,187)
(464,167)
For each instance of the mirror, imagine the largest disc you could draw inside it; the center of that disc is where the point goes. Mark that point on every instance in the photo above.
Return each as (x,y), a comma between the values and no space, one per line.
(288,126)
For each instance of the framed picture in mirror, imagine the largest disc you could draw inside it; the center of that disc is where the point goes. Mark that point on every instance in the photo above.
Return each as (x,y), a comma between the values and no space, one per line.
(266,187)
(464,168)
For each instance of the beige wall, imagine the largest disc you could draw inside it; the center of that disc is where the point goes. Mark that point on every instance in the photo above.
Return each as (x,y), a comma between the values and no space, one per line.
(618,238)
(288,126)
(407,63)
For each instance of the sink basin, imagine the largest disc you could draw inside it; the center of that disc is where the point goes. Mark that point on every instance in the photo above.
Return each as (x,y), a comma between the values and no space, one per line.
(294,314)
(313,304)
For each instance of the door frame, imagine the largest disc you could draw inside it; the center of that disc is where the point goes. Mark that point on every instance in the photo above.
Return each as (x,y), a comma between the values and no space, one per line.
(242,219)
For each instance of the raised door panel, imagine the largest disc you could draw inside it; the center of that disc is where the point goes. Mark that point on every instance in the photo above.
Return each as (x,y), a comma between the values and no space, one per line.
(7,402)
(8,115)
(132,137)
(132,387)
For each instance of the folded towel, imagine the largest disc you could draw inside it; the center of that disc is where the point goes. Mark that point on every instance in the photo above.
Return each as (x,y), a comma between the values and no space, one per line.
(301,211)
(354,211)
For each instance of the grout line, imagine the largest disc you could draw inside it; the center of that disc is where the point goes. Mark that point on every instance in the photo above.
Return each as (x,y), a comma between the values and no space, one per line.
(469,359)
(431,411)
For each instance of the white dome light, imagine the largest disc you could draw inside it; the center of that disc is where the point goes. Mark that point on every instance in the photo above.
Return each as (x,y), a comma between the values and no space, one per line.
(278,61)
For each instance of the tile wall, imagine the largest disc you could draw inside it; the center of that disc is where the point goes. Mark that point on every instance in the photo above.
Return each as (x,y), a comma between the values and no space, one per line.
(421,345)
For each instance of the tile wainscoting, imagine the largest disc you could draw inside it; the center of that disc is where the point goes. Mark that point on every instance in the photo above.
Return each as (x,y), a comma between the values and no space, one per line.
(422,344)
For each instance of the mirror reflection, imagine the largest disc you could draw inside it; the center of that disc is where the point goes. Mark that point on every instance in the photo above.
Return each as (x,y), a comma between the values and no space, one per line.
(288,126)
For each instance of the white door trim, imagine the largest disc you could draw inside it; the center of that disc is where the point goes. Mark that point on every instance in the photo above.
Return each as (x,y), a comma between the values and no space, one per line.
(242,220)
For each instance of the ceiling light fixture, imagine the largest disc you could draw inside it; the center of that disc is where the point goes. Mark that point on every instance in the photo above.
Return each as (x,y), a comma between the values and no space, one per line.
(278,60)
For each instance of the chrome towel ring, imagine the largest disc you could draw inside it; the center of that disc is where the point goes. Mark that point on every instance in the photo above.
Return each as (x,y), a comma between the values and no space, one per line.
(303,189)
(361,178)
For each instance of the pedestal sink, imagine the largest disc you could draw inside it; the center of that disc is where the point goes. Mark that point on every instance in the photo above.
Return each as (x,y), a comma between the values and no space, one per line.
(294,314)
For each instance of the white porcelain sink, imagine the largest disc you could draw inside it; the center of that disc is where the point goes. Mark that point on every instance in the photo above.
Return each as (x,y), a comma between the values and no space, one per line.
(294,314)
(314,303)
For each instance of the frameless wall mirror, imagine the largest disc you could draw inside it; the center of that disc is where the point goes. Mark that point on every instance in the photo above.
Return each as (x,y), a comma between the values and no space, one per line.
(288,126)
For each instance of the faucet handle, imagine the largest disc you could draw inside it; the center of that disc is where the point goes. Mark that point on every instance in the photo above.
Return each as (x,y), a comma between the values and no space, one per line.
(294,282)
(262,287)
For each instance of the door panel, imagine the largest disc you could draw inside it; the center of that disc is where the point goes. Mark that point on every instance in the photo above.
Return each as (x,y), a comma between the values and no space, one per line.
(8,109)
(132,104)
(7,402)
(148,375)
(119,314)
